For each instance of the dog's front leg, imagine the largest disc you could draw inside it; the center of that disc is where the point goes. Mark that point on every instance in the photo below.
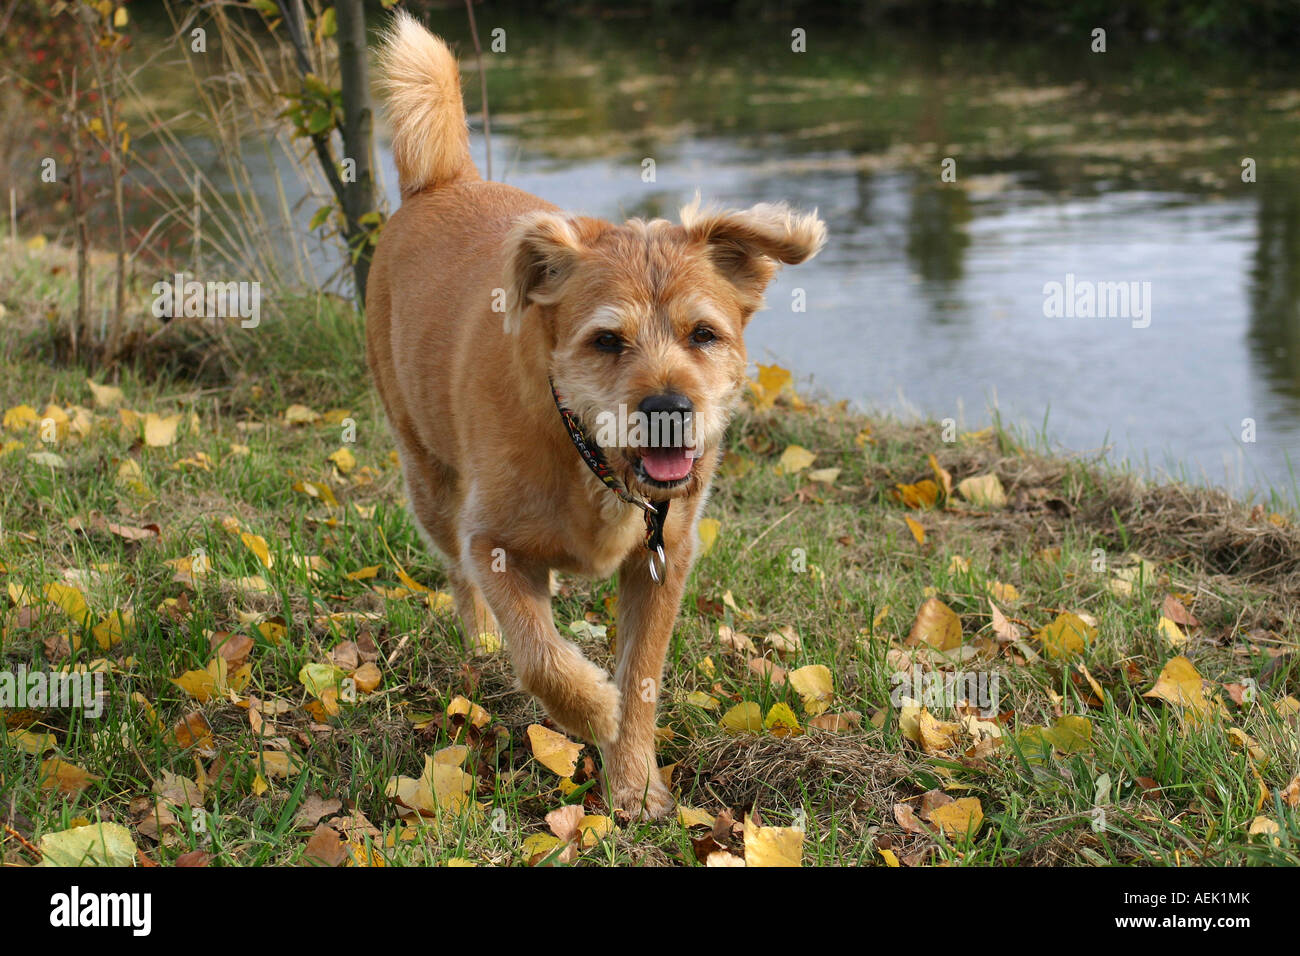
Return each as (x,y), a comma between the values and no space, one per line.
(646,614)
(578,695)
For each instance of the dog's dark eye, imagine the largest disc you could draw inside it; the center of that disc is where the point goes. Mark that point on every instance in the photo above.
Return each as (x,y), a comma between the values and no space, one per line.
(608,342)
(702,335)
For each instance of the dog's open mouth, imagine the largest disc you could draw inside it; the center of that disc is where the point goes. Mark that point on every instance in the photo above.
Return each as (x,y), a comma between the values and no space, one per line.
(665,467)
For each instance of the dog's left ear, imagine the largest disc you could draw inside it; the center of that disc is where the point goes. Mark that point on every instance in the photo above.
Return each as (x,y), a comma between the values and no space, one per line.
(745,245)
(541,252)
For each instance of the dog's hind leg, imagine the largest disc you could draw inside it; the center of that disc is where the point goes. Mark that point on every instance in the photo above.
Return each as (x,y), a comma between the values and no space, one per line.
(578,695)
(430,488)
(482,635)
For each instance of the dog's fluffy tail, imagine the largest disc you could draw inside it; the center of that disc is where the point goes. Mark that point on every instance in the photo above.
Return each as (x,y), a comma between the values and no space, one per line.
(421,84)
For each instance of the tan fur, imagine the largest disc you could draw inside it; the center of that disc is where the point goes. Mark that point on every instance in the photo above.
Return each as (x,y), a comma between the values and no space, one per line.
(421,87)
(479,292)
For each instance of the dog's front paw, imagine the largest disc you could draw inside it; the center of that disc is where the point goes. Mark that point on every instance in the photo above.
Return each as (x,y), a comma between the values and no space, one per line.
(644,801)
(586,703)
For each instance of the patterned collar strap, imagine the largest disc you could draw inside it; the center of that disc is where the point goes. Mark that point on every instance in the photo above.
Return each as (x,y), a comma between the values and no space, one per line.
(655,515)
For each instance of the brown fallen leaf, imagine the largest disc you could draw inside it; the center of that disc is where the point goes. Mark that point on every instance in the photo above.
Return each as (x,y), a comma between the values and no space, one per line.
(193,730)
(56,774)
(1174,610)
(326,847)
(932,800)
(937,625)
(314,809)
(905,817)
(837,723)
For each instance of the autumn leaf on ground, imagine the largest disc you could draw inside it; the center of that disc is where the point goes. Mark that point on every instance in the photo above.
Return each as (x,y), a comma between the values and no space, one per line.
(771,382)
(325,847)
(105,396)
(28,741)
(937,625)
(99,844)
(914,526)
(735,641)
(473,713)
(159,432)
(1176,612)
(314,808)
(257,544)
(707,531)
(1003,629)
(794,460)
(1171,632)
(815,685)
(300,415)
(692,817)
(923,494)
(539,848)
(958,818)
(698,698)
(772,846)
(1006,593)
(214,681)
(936,736)
(315,489)
(20,418)
(1244,741)
(56,774)
(343,460)
(69,600)
(1070,734)
(1264,827)
(744,718)
(768,671)
(190,568)
(781,721)
(556,752)
(1066,636)
(324,682)
(785,641)
(1180,684)
(193,730)
(941,475)
(837,723)
(443,787)
(983,491)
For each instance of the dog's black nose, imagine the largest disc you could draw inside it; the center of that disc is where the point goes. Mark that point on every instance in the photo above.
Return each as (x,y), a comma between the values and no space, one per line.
(673,403)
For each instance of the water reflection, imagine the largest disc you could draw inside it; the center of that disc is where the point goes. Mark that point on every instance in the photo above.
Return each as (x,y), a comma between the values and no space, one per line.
(1275,290)
(1123,170)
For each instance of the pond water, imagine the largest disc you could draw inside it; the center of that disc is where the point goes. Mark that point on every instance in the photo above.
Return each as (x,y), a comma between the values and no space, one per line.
(929,299)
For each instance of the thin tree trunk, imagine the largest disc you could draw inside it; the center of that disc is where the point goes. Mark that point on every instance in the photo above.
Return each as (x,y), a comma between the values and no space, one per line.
(79,225)
(358,123)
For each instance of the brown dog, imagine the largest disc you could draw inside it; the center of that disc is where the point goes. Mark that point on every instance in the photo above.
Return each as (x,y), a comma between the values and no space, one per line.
(504,336)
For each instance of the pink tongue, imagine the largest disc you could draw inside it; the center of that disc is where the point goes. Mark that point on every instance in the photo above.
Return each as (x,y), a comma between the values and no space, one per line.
(667,464)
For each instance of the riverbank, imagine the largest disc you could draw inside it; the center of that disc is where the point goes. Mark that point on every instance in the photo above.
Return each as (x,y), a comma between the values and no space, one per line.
(915,647)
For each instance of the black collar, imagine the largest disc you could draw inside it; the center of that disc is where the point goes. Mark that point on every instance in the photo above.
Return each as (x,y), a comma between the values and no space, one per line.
(655,514)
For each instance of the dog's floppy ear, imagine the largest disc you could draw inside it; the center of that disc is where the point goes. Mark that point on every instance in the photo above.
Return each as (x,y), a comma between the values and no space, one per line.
(541,250)
(746,244)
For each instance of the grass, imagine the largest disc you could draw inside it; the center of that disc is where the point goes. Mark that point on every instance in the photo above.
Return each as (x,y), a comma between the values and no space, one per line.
(835,562)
